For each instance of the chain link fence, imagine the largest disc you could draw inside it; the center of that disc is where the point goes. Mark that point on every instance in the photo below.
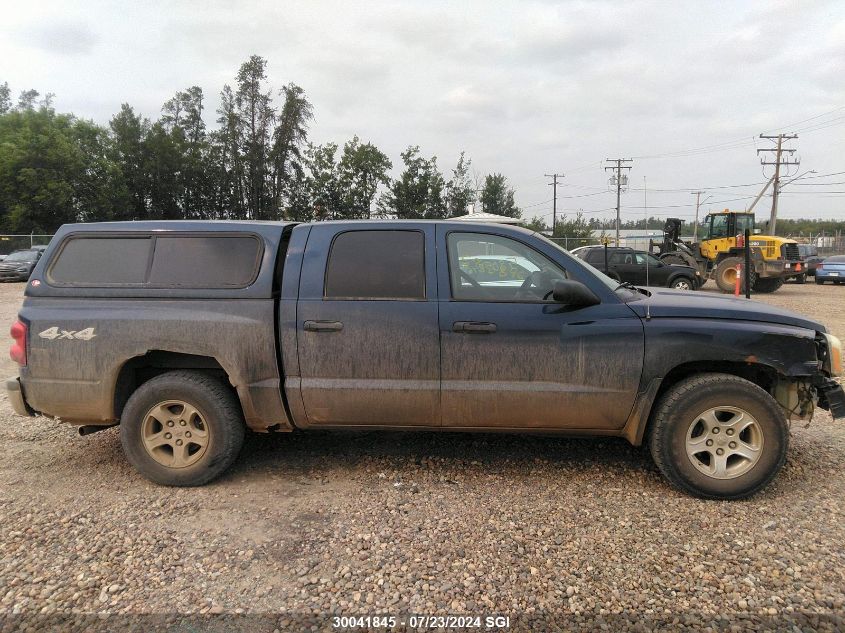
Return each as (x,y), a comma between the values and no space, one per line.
(12,243)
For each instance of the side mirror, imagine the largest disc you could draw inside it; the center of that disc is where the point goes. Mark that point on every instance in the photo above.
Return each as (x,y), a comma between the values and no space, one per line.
(574,293)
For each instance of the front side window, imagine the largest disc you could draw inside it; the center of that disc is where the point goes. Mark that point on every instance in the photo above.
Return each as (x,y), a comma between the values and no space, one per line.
(494,268)
(718,226)
(376,265)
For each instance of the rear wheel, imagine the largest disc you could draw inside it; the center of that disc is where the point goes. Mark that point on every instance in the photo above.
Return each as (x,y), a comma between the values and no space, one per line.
(819,281)
(718,436)
(769,284)
(182,428)
(801,279)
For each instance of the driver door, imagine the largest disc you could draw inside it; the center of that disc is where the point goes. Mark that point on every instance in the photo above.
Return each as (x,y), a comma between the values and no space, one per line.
(511,358)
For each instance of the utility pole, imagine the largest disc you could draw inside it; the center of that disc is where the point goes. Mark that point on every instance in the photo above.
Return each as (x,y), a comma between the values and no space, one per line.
(779,151)
(553,184)
(617,180)
(697,207)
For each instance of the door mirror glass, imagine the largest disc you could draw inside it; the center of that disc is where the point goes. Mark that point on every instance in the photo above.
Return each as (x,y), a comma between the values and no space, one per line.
(574,293)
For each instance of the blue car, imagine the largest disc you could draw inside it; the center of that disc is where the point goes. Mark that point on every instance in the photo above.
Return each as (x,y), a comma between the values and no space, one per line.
(832,269)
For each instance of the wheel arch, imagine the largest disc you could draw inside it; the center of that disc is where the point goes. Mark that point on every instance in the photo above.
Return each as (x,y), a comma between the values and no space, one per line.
(764,376)
(140,369)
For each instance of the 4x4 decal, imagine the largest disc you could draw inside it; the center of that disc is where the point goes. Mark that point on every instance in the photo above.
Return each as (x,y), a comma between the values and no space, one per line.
(53,333)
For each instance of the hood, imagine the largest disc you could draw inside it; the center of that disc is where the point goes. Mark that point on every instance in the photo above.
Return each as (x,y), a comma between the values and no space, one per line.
(668,303)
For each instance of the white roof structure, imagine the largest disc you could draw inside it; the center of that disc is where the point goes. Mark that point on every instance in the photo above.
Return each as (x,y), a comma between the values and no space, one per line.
(480,216)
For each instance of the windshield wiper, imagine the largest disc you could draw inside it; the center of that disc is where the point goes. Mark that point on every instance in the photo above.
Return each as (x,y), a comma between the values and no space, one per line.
(629,286)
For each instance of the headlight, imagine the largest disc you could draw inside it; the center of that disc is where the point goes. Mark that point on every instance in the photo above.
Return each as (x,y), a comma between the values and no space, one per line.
(833,362)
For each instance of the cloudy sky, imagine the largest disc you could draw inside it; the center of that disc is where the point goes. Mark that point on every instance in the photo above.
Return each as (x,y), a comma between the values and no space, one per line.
(526,88)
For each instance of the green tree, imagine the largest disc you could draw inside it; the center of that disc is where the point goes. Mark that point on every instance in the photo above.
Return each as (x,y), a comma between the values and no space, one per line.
(361,170)
(28,100)
(418,193)
(577,227)
(5,98)
(53,170)
(537,224)
(289,138)
(228,166)
(256,118)
(460,190)
(126,151)
(326,197)
(497,197)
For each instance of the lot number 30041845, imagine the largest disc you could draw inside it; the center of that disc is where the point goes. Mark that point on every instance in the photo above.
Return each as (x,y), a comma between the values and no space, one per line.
(53,333)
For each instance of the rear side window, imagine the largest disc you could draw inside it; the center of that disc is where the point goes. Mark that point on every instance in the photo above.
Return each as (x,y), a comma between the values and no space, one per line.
(177,261)
(376,265)
(204,262)
(98,261)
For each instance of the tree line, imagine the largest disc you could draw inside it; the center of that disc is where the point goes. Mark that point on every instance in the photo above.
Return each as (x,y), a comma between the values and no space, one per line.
(257,163)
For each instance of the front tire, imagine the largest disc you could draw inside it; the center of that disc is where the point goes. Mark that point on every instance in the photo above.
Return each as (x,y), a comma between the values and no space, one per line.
(683,283)
(182,428)
(718,436)
(727,272)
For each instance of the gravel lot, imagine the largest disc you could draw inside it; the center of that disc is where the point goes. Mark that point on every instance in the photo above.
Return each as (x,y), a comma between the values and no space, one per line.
(560,534)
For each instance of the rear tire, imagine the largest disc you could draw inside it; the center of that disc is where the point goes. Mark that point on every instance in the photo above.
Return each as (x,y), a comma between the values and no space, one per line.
(769,284)
(182,428)
(708,413)
(820,281)
(801,279)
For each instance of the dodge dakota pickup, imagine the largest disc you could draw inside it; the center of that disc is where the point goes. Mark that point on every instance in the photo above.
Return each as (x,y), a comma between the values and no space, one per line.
(188,334)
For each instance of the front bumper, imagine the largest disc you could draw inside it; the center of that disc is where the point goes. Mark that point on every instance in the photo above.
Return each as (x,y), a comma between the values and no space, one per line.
(832,397)
(16,398)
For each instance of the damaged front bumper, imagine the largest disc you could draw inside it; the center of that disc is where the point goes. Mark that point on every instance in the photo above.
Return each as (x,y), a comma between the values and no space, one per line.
(831,396)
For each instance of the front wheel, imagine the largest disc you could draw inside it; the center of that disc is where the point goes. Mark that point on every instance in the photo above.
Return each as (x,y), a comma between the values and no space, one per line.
(718,436)
(182,428)
(683,283)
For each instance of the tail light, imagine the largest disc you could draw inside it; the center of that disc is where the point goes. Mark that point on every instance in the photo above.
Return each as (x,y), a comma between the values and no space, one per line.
(18,350)
(819,266)
(740,240)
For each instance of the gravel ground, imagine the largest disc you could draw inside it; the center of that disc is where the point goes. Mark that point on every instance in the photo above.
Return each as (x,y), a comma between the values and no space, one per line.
(558,534)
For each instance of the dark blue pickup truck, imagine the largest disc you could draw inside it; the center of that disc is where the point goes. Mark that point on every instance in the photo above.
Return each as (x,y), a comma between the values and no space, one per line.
(189,333)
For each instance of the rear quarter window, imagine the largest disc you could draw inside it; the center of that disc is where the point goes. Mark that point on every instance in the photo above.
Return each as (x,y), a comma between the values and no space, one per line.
(151,261)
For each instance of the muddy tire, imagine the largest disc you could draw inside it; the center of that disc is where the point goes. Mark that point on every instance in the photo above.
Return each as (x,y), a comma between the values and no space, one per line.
(726,273)
(801,279)
(182,428)
(768,285)
(718,436)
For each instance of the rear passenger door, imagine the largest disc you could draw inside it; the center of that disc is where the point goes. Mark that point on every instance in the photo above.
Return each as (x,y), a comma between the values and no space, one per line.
(367,329)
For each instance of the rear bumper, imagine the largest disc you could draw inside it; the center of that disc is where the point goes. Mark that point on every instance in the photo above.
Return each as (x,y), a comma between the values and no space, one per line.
(832,398)
(16,398)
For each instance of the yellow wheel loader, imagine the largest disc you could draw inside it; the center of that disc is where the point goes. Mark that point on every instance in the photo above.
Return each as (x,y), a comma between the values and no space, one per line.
(721,250)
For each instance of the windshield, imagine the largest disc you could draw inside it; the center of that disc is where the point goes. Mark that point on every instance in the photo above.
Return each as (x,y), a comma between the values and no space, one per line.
(21,256)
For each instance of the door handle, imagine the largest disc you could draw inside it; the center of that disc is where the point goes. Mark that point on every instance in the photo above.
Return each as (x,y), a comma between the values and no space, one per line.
(322,326)
(473,327)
